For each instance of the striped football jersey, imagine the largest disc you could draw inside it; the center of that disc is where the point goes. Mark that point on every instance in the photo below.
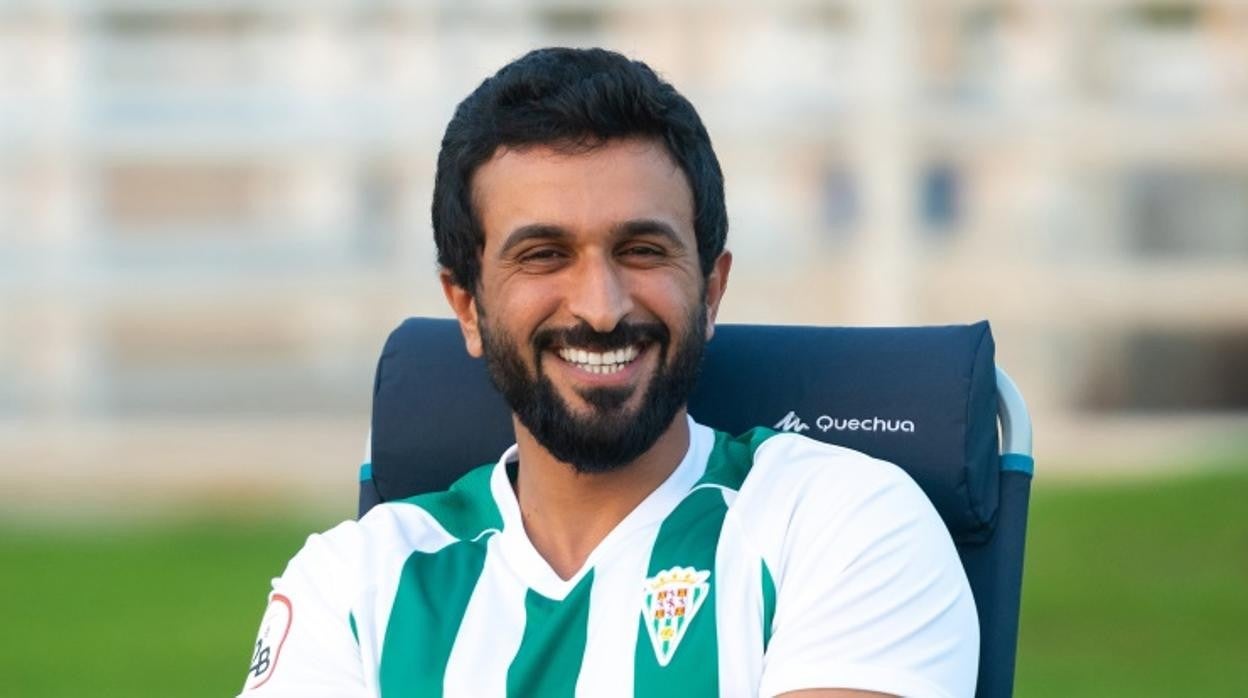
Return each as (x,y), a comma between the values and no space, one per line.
(765,563)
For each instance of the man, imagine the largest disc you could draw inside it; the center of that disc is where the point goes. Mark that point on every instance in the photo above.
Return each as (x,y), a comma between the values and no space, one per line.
(619,548)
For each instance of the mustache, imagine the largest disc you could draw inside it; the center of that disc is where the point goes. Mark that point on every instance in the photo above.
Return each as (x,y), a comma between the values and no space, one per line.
(583,336)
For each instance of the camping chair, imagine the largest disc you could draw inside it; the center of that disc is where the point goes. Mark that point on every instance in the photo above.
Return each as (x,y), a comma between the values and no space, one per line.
(925,398)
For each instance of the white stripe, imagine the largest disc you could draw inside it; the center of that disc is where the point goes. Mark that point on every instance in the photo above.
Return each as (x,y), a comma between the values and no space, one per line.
(738,610)
(490,632)
(393,532)
(614,619)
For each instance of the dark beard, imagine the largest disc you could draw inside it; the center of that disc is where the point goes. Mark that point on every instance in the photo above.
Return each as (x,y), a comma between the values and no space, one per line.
(609,437)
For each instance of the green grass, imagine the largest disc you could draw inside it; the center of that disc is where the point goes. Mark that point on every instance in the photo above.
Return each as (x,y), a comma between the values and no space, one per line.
(1135,589)
(137,611)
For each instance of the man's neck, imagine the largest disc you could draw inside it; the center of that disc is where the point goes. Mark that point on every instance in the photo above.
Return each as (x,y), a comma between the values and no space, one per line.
(567,514)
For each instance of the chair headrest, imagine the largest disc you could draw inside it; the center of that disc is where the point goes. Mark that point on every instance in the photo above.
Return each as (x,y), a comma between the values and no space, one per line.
(921,397)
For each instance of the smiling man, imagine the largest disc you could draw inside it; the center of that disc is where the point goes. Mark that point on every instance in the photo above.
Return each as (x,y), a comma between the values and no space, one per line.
(618,548)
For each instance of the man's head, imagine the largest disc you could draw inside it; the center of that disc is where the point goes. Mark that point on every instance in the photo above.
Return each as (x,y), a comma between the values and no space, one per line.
(579,216)
(574,100)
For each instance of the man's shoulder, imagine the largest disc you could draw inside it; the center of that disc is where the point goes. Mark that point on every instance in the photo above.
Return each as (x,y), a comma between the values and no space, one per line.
(798,456)
(796,478)
(763,457)
(864,571)
(421,523)
(463,511)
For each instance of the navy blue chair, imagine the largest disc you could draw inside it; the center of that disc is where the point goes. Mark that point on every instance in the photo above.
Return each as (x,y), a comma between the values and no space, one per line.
(929,399)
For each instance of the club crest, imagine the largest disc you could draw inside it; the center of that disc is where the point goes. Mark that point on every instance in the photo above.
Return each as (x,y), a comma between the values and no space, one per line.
(672,598)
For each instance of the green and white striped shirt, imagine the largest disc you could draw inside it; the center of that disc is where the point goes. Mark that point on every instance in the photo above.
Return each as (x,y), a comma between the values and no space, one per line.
(765,563)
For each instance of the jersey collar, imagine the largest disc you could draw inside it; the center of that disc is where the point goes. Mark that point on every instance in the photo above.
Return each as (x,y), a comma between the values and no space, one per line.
(529,564)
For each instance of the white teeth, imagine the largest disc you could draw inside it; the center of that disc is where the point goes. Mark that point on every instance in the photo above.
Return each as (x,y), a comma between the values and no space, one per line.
(600,362)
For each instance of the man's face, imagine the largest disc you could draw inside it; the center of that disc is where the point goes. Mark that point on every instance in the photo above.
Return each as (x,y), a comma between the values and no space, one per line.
(592,309)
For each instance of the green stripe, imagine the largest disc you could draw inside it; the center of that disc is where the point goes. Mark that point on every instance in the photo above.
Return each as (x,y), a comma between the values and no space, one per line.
(687,538)
(465,509)
(732,456)
(549,659)
(355,632)
(429,605)
(769,603)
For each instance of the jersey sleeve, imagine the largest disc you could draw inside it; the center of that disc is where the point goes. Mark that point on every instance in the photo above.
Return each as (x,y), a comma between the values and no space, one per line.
(306,646)
(870,593)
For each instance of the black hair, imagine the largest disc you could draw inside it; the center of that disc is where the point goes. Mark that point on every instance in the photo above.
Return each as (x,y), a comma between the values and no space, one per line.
(575,99)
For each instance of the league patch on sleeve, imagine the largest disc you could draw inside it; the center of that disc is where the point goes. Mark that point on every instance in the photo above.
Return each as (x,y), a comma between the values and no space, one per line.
(274,628)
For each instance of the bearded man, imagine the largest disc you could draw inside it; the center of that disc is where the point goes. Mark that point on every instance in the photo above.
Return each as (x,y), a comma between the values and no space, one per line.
(618,548)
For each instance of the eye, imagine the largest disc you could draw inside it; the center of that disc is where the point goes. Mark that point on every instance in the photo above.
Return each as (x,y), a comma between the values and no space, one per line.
(640,250)
(541,254)
(542,259)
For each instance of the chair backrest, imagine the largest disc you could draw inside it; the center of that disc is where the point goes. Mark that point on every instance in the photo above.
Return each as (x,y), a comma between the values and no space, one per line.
(925,398)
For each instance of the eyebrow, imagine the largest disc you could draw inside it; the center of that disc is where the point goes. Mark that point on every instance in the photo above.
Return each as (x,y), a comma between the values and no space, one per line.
(528,232)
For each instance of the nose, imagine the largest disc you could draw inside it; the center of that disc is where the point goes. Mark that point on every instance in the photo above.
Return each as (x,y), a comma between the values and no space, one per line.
(599,293)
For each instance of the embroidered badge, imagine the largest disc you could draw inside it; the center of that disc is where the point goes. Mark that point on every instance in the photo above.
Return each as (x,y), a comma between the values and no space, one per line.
(672,598)
(274,628)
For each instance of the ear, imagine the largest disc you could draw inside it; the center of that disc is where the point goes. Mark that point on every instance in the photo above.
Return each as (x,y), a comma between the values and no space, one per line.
(465,307)
(716,284)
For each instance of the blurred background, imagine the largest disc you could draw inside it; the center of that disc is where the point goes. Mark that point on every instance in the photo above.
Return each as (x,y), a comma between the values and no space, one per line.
(212,212)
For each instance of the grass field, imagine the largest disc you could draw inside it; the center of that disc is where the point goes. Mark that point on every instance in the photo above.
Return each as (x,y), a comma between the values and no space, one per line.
(1136,589)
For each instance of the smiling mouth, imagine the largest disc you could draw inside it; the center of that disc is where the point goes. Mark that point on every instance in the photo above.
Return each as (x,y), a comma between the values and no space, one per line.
(606,362)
